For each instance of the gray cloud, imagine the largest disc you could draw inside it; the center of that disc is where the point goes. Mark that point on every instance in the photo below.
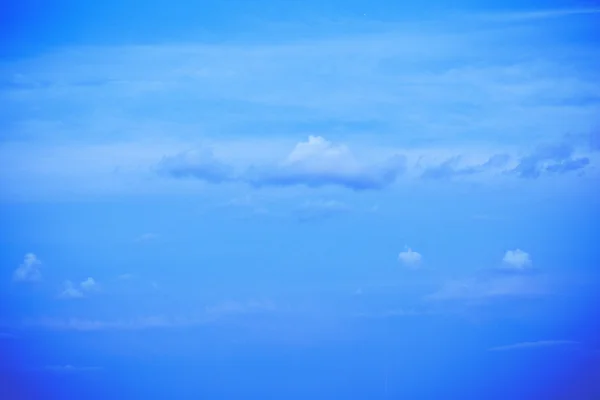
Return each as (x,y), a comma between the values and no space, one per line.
(314,163)
(554,158)
(318,162)
(450,168)
(200,164)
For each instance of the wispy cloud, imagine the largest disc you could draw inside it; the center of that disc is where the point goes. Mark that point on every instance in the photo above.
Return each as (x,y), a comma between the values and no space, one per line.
(321,209)
(7,335)
(407,86)
(550,159)
(493,286)
(29,270)
(207,315)
(540,14)
(237,307)
(451,168)
(200,165)
(534,345)
(77,291)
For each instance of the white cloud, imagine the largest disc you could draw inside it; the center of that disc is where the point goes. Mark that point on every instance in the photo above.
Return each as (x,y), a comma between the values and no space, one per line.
(70,291)
(517,259)
(29,270)
(410,257)
(74,291)
(273,90)
(537,344)
(88,284)
(318,162)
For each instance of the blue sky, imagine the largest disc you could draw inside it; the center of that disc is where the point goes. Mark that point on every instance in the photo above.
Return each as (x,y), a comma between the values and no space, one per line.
(268,199)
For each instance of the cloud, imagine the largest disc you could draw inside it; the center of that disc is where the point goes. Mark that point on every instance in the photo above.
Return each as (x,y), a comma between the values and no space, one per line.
(490,287)
(321,209)
(519,16)
(68,368)
(73,291)
(29,270)
(199,164)
(550,159)
(7,335)
(410,257)
(533,345)
(393,313)
(124,277)
(318,162)
(90,325)
(517,259)
(236,307)
(594,140)
(210,314)
(70,291)
(450,168)
(88,284)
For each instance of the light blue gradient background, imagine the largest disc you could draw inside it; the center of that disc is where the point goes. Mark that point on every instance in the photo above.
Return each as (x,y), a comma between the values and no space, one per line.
(249,289)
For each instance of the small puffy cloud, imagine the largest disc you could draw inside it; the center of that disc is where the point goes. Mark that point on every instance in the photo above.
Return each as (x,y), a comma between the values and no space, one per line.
(555,158)
(88,284)
(318,162)
(451,169)
(74,291)
(534,345)
(199,164)
(410,257)
(29,270)
(517,259)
